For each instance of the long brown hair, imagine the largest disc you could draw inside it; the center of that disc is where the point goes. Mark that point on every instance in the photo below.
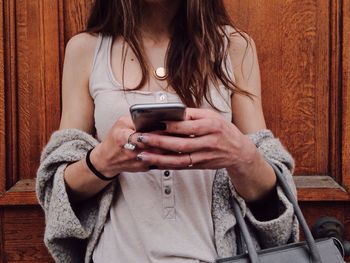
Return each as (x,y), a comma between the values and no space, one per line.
(196,55)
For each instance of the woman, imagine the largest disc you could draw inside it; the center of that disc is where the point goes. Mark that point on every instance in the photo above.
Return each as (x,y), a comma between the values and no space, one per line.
(164,206)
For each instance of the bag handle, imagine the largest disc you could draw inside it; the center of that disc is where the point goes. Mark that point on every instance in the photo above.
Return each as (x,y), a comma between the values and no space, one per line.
(253,256)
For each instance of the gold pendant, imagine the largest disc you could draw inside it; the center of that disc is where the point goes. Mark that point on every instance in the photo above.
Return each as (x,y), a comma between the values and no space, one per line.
(160,73)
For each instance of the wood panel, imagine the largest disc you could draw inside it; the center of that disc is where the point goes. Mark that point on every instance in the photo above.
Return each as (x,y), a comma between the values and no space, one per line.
(320,188)
(76,13)
(2,103)
(38,87)
(64,19)
(340,210)
(346,95)
(32,85)
(22,241)
(2,123)
(9,88)
(293,49)
(30,111)
(304,53)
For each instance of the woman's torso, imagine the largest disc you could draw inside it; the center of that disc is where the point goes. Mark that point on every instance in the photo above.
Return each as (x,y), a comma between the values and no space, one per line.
(160,215)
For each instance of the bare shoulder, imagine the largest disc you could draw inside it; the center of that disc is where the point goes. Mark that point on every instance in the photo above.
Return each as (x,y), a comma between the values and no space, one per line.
(244,58)
(79,55)
(238,37)
(247,113)
(77,104)
(241,45)
(82,42)
(81,45)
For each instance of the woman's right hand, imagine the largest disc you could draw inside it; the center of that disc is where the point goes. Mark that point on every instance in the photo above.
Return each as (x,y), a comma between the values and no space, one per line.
(110,157)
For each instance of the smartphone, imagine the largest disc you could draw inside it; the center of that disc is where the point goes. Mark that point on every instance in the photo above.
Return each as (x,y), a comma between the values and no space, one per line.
(149,117)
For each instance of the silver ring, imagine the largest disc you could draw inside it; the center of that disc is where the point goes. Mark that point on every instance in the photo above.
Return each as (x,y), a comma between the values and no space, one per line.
(191,162)
(129,145)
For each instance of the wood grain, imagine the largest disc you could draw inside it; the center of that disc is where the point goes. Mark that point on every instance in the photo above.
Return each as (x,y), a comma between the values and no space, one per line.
(76,13)
(346,96)
(2,249)
(2,104)
(293,49)
(51,88)
(310,188)
(340,210)
(61,40)
(320,188)
(10,92)
(22,193)
(38,87)
(22,241)
(335,91)
(303,48)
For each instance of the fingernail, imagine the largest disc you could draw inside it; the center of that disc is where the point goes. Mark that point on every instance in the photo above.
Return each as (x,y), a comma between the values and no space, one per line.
(153,167)
(142,157)
(139,157)
(142,138)
(162,126)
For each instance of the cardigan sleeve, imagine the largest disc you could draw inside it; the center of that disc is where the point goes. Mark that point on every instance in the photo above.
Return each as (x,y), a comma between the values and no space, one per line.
(284,227)
(67,227)
(276,231)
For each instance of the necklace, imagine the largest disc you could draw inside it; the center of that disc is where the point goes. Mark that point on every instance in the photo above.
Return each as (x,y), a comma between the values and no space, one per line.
(160,73)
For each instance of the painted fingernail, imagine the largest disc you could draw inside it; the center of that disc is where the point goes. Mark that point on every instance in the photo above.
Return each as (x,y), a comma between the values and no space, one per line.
(153,167)
(142,157)
(142,138)
(139,157)
(161,126)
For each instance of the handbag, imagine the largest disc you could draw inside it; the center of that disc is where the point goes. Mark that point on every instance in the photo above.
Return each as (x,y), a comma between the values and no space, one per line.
(319,251)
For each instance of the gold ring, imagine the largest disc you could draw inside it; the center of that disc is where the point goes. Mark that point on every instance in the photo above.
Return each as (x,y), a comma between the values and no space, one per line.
(191,162)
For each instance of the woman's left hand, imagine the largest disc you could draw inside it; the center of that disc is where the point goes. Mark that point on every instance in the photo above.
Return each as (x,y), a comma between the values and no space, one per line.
(208,142)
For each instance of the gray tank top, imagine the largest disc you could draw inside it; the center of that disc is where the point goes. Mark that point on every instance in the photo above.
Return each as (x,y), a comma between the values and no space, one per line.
(147,223)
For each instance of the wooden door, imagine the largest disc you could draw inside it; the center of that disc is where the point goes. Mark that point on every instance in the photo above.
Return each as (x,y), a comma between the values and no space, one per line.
(303,48)
(304,53)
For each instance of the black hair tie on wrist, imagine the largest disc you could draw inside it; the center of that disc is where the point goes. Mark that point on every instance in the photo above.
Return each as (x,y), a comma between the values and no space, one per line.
(93,169)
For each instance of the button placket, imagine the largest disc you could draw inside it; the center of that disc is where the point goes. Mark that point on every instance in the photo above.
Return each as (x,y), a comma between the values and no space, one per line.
(168,195)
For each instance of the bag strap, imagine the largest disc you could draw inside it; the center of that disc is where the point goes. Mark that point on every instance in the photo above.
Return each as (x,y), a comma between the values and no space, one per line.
(315,255)
(253,255)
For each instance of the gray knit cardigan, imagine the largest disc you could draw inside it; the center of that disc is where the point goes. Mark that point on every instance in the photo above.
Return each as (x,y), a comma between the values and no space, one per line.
(72,232)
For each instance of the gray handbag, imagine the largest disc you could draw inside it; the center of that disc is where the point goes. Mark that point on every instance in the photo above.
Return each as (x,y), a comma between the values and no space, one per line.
(319,251)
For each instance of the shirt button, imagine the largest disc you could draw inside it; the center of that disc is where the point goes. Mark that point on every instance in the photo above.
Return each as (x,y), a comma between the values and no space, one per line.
(162,97)
(166,173)
(167,190)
